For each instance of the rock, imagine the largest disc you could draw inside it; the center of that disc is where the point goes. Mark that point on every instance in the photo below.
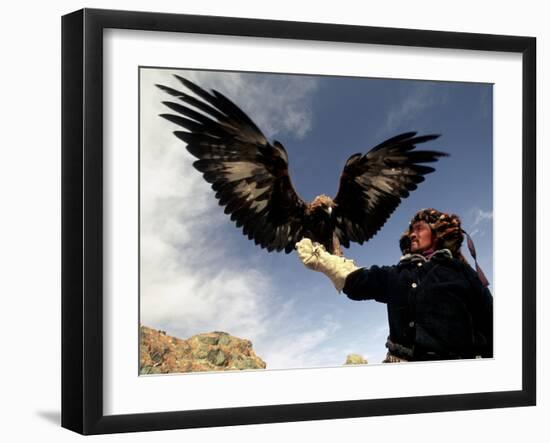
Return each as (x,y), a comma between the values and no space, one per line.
(355,359)
(216,357)
(208,339)
(202,352)
(224,340)
(213,351)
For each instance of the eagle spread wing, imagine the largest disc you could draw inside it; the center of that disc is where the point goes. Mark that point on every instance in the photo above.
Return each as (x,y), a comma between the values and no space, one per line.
(372,185)
(248,174)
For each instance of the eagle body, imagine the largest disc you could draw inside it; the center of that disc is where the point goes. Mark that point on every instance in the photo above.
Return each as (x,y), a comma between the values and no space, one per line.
(319,224)
(250,179)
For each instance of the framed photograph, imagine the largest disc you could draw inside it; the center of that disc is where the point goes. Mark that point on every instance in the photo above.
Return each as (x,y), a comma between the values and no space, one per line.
(206,160)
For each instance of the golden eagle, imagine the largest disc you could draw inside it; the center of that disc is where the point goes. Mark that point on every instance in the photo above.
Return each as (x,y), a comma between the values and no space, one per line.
(250,176)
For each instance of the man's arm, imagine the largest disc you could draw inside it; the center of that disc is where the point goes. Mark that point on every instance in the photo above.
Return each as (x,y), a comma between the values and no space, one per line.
(357,283)
(482,315)
(483,323)
(368,284)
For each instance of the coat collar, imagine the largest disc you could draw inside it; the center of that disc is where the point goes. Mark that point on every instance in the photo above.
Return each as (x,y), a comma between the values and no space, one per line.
(413,258)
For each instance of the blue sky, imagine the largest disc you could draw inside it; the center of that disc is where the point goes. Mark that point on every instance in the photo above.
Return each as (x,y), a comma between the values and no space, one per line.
(199,273)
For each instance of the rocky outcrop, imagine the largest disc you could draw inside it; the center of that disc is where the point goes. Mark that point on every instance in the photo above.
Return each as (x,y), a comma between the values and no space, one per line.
(212,351)
(355,359)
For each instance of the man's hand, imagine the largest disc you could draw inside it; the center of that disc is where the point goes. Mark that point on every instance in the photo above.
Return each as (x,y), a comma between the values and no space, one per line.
(314,256)
(309,253)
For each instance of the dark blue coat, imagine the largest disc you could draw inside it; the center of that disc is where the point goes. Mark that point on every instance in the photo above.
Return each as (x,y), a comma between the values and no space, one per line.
(437,308)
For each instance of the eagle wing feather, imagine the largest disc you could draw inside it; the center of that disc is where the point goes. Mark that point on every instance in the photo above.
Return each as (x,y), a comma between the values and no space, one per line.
(372,185)
(248,174)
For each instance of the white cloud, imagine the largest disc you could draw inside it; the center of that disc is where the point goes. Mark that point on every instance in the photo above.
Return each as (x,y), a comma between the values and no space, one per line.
(480,221)
(418,101)
(278,105)
(481,216)
(187,284)
(369,343)
(299,346)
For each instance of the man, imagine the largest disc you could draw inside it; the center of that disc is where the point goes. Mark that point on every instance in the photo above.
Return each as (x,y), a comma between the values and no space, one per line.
(439,308)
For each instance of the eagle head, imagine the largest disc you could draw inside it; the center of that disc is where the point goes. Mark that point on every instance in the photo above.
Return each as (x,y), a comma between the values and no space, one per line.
(322,203)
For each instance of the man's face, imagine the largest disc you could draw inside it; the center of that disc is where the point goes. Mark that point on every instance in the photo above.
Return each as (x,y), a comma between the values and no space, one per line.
(421,237)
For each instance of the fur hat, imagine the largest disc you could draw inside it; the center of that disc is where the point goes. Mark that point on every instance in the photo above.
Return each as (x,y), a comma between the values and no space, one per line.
(448,235)
(445,227)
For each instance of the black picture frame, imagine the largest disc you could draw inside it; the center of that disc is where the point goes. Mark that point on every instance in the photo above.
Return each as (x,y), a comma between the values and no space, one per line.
(82,221)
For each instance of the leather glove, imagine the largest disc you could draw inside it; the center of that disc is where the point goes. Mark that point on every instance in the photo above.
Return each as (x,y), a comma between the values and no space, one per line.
(314,256)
